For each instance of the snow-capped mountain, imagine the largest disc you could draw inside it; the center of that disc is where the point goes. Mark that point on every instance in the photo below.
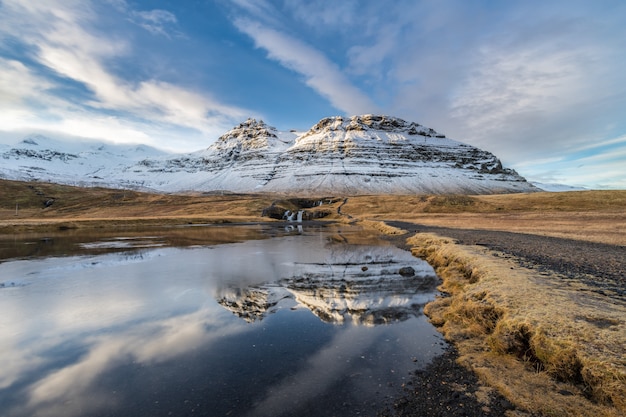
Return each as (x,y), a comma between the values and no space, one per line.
(356,155)
(73,162)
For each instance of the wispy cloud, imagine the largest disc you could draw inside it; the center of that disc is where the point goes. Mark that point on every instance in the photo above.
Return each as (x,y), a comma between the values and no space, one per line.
(261,10)
(513,87)
(155,21)
(18,84)
(524,82)
(318,71)
(323,14)
(597,165)
(63,41)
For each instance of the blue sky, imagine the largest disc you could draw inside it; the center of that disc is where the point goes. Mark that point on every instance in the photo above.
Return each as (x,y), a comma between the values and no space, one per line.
(542,84)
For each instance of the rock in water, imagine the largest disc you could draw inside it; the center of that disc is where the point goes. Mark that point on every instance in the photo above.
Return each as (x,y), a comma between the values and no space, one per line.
(406,271)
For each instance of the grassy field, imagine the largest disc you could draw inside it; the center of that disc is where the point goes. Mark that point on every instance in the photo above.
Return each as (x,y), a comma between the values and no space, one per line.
(534,352)
(40,206)
(598,216)
(588,215)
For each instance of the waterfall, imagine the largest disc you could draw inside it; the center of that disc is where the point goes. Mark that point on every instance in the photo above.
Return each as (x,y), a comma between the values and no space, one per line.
(293,216)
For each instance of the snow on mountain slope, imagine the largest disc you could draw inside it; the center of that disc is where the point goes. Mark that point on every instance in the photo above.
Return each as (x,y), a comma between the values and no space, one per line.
(379,154)
(87,163)
(356,155)
(241,160)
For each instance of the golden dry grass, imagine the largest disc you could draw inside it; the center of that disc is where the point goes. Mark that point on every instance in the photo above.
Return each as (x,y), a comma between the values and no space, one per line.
(96,207)
(381,227)
(74,207)
(533,337)
(588,215)
(598,216)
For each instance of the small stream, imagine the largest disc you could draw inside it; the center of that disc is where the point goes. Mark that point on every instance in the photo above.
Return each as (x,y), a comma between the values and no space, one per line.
(251,320)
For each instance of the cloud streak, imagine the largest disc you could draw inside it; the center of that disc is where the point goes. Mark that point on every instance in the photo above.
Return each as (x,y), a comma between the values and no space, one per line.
(524,81)
(319,73)
(155,21)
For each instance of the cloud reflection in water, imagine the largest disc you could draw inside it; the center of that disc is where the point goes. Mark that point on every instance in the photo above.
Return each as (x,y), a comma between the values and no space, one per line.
(82,329)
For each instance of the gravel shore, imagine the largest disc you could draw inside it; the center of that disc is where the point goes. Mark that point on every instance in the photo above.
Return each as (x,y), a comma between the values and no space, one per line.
(446,388)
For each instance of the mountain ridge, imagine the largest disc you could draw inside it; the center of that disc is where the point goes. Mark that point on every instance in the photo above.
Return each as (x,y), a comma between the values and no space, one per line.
(366,154)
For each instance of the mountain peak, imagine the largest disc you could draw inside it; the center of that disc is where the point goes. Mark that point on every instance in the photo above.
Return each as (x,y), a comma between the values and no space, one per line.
(250,129)
(371,122)
(248,135)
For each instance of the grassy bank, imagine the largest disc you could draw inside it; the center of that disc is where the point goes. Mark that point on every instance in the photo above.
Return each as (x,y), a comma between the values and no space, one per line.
(550,347)
(35,206)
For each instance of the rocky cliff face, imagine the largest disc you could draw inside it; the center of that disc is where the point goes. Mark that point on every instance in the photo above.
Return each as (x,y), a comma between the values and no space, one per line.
(366,154)
(379,154)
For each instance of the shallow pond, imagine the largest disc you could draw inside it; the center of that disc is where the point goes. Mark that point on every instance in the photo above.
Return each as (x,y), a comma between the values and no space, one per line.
(253,320)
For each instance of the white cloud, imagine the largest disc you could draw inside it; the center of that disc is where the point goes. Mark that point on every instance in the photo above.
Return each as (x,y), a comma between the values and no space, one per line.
(507,84)
(18,84)
(156,21)
(60,38)
(319,72)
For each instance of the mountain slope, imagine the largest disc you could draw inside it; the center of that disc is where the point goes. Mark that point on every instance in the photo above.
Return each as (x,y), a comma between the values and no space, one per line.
(358,155)
(378,154)
(83,163)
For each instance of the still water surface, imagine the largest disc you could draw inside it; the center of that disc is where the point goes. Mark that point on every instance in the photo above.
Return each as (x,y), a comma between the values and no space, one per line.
(211,321)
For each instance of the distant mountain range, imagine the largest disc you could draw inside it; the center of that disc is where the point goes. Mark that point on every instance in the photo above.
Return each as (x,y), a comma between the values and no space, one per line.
(366,154)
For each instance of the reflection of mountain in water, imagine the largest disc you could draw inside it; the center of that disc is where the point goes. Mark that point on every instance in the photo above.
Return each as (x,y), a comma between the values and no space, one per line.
(369,300)
(252,303)
(361,284)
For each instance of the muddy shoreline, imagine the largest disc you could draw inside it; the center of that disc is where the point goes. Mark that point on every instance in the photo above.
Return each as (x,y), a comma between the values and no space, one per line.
(446,388)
